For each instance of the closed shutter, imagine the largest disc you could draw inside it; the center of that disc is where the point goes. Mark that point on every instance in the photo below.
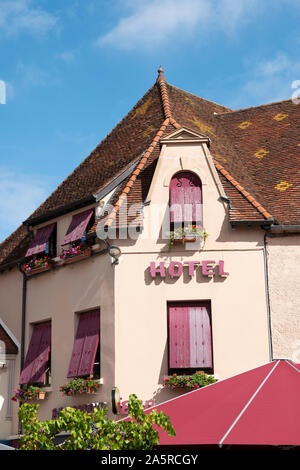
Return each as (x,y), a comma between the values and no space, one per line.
(37,353)
(185,198)
(200,337)
(189,337)
(85,344)
(77,226)
(39,243)
(179,337)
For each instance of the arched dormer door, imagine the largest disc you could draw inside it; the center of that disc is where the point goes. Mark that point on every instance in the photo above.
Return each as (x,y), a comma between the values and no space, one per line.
(186,199)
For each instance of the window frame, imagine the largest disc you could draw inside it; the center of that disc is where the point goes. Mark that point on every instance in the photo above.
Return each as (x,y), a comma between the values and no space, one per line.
(190,370)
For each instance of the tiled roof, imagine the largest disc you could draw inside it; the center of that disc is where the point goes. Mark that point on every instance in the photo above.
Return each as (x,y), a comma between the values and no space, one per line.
(256,152)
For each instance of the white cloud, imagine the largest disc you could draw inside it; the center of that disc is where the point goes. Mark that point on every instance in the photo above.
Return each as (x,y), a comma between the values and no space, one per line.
(67,56)
(268,81)
(20,195)
(18,16)
(152,22)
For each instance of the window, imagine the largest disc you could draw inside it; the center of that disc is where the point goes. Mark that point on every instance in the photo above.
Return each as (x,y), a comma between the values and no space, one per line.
(44,241)
(185,200)
(85,359)
(37,363)
(189,326)
(79,226)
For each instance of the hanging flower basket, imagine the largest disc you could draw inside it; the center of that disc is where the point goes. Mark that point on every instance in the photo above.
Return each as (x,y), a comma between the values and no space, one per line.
(28,393)
(189,382)
(80,385)
(75,253)
(35,266)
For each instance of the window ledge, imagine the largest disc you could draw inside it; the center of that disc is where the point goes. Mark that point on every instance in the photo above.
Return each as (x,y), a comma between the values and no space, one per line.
(47,389)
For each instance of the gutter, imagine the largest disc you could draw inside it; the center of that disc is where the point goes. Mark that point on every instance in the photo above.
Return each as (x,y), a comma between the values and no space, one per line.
(284,229)
(23,323)
(268,297)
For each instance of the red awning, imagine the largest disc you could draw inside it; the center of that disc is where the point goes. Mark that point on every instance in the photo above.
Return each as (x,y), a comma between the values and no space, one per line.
(258,407)
(77,226)
(39,243)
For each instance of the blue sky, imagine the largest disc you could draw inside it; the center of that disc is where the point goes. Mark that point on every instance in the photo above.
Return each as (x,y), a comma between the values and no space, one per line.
(72,69)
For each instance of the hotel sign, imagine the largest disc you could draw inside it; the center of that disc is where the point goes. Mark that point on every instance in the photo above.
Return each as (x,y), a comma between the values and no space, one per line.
(209,268)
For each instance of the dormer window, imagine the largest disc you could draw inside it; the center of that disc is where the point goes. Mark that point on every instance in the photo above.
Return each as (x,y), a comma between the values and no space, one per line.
(79,227)
(185,200)
(44,242)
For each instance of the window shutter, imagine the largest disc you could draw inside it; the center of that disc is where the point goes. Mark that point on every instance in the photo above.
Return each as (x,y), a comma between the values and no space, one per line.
(87,338)
(176,203)
(90,344)
(200,337)
(77,226)
(179,337)
(189,337)
(39,243)
(185,198)
(33,353)
(40,363)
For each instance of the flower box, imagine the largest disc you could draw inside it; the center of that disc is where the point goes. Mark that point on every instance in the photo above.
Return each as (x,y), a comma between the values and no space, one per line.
(188,382)
(189,234)
(39,265)
(185,240)
(80,385)
(29,393)
(79,253)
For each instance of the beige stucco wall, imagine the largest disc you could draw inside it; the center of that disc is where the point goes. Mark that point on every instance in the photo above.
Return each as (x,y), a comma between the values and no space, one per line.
(58,296)
(238,302)
(133,331)
(284,286)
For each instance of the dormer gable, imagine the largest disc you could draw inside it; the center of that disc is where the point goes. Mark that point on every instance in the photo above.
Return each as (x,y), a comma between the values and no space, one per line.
(185,135)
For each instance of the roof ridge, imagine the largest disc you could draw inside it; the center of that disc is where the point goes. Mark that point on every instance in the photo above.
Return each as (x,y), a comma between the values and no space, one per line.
(242,190)
(254,107)
(161,81)
(136,172)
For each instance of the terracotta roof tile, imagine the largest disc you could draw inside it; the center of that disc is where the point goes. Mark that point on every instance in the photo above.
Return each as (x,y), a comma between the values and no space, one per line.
(257,150)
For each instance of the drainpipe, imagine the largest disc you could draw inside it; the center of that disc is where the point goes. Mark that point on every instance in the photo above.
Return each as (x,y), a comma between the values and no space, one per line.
(23,325)
(268,297)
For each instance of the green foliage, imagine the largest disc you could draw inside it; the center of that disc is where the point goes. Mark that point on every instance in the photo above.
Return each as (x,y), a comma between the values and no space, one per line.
(80,385)
(93,430)
(197,380)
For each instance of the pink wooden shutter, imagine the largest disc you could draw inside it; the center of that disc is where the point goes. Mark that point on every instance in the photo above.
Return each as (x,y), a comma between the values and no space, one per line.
(77,226)
(176,202)
(192,204)
(200,337)
(90,344)
(78,346)
(185,198)
(40,364)
(32,354)
(39,243)
(179,337)
(85,340)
